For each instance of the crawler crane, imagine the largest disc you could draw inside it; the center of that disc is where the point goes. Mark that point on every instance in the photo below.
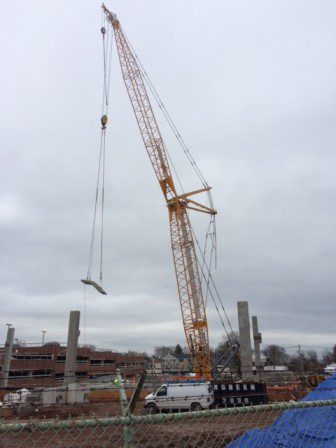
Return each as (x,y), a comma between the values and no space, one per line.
(182,239)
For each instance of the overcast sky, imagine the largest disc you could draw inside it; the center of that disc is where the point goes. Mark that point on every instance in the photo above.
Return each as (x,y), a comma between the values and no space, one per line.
(251,86)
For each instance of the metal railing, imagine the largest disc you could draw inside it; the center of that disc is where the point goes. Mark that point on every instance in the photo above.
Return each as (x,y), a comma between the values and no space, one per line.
(303,424)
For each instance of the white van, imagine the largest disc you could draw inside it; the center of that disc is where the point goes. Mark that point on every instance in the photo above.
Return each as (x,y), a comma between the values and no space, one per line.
(191,395)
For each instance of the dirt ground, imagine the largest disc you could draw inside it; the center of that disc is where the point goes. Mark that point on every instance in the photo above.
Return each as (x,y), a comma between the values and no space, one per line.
(86,410)
(215,432)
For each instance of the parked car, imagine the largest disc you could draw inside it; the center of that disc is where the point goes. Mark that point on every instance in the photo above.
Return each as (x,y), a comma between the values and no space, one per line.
(187,395)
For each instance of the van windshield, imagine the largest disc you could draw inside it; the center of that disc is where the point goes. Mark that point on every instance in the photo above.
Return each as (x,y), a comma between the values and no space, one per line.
(162,391)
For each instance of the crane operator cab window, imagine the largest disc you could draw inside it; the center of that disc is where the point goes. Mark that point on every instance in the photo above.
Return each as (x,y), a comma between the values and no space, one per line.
(162,392)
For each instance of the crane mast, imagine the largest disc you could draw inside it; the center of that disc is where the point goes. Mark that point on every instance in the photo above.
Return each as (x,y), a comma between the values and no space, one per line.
(182,240)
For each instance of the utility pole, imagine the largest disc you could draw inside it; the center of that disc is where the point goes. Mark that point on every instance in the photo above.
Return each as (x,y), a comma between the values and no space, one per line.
(301,359)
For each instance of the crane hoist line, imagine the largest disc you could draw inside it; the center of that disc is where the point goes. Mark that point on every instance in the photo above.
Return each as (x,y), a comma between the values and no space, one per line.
(100,187)
(186,263)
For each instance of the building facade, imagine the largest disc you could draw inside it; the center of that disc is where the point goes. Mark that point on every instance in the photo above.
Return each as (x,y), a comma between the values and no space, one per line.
(175,364)
(43,366)
(154,366)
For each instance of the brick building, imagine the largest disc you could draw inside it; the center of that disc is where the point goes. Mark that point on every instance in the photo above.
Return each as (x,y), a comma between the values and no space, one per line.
(43,366)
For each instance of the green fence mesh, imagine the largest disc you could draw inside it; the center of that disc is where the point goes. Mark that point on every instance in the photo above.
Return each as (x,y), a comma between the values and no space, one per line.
(310,424)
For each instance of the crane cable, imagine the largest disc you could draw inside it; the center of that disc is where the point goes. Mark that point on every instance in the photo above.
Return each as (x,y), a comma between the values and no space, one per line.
(93,232)
(213,251)
(198,172)
(182,143)
(230,335)
(100,183)
(168,117)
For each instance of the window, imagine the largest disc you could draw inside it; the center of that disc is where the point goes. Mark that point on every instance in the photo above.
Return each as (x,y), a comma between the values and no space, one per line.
(100,375)
(59,376)
(162,392)
(41,372)
(96,362)
(82,359)
(60,359)
(18,373)
(32,357)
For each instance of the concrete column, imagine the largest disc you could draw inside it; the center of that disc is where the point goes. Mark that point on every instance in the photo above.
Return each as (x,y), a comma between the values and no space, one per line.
(8,355)
(245,340)
(257,341)
(72,345)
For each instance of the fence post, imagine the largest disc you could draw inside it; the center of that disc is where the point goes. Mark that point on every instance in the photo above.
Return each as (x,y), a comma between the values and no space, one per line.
(128,432)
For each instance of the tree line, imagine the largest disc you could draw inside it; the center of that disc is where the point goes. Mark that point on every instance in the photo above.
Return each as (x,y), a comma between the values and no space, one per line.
(276,355)
(301,359)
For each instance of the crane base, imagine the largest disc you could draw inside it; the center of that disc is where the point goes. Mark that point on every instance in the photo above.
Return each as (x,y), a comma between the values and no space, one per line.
(95,285)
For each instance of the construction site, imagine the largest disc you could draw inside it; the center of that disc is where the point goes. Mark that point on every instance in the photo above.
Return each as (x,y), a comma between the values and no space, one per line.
(248,392)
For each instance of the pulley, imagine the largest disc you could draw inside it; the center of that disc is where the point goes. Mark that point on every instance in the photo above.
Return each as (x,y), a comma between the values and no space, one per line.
(104,121)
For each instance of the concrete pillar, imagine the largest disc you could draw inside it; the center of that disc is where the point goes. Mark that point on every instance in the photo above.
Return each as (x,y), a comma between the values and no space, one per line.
(8,354)
(257,341)
(245,341)
(72,345)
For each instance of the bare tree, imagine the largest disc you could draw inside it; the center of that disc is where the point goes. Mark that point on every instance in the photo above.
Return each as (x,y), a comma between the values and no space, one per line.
(163,350)
(329,356)
(305,361)
(135,352)
(276,355)
(312,362)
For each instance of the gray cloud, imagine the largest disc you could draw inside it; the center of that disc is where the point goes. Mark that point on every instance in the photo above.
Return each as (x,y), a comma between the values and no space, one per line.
(252,89)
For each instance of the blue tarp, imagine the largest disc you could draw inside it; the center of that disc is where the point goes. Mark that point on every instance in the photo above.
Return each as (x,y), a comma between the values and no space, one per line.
(298,428)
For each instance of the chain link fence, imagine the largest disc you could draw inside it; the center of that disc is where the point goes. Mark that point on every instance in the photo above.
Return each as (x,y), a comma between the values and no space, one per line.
(290,425)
